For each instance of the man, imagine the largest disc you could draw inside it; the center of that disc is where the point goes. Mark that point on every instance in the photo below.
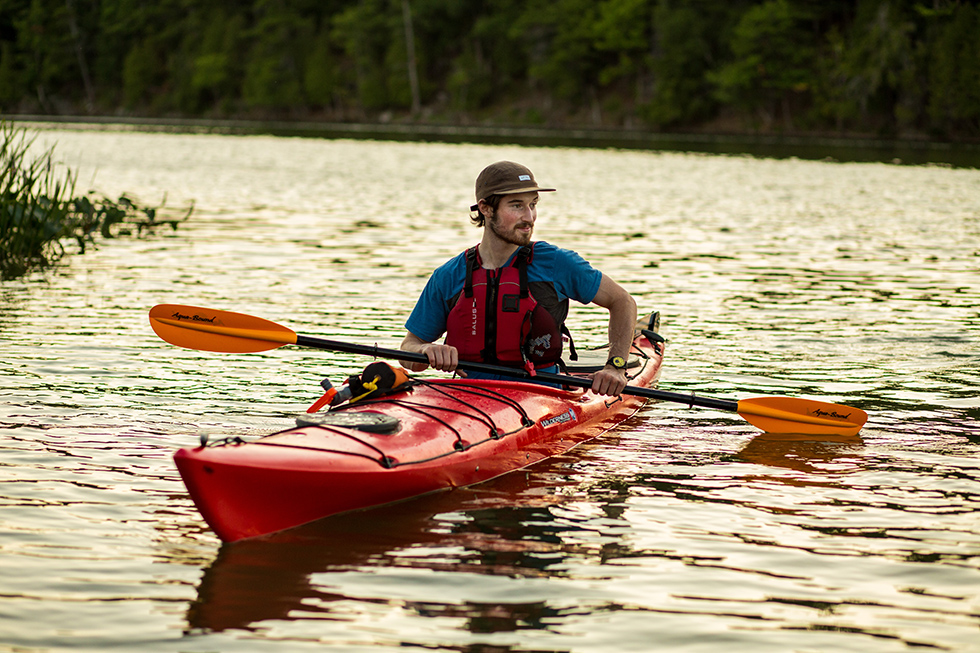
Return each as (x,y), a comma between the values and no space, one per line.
(505,301)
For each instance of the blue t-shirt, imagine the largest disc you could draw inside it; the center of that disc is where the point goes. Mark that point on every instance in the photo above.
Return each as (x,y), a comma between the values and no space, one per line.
(571,275)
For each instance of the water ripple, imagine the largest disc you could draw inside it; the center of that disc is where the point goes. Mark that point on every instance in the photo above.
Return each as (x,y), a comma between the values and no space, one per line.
(844,282)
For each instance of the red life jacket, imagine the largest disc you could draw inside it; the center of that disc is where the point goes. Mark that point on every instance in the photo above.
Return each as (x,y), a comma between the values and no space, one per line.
(497,320)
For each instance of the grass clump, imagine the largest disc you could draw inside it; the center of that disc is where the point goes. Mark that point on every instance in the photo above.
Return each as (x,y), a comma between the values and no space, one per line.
(40,213)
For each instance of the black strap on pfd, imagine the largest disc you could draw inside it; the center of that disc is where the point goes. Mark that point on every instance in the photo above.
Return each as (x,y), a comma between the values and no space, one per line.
(572,354)
(523,259)
(471,265)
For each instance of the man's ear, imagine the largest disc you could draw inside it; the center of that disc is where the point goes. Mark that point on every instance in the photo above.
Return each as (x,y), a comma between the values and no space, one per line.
(485,209)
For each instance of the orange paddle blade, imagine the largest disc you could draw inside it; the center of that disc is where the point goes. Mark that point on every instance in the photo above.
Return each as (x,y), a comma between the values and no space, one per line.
(804,416)
(209,329)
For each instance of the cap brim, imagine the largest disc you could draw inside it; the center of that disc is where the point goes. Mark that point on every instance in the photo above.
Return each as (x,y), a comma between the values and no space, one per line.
(522,189)
(514,191)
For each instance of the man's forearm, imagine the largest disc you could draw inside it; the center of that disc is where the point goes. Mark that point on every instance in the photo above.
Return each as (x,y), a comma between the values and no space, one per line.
(414,344)
(622,322)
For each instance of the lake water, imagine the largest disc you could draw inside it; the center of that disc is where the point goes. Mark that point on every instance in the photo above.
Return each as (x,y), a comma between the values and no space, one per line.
(684,530)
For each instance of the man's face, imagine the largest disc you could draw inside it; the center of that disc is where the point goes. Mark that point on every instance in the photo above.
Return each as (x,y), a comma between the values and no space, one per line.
(513,221)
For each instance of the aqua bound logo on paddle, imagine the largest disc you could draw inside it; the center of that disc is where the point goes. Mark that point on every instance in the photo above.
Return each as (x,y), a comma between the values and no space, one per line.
(832,414)
(193,318)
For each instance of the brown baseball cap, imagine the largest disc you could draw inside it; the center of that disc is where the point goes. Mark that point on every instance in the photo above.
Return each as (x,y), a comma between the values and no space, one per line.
(505,178)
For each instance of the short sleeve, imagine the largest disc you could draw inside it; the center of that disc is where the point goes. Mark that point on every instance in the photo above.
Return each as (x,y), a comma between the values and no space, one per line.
(428,318)
(572,275)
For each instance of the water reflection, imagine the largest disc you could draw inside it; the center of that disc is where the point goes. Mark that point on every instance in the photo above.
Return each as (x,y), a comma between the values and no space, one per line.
(830,454)
(270,578)
(500,528)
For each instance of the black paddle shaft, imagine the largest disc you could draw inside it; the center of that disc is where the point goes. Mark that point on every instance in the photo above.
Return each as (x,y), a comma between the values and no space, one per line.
(562,379)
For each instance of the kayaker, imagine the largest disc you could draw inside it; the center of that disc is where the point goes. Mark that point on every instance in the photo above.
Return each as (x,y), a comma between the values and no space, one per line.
(528,283)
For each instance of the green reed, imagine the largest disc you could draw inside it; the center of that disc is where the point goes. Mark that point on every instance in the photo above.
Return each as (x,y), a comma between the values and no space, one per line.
(40,213)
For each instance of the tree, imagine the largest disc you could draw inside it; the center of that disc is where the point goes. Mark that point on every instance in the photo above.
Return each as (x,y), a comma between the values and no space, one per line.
(140,70)
(363,31)
(42,36)
(954,72)
(684,49)
(273,77)
(563,56)
(10,85)
(412,65)
(874,66)
(623,34)
(321,76)
(888,66)
(772,62)
(451,69)
(216,68)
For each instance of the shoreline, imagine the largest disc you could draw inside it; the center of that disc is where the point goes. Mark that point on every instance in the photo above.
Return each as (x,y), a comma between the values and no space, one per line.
(815,147)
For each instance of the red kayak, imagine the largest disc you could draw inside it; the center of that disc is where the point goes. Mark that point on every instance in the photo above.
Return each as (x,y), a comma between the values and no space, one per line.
(435,435)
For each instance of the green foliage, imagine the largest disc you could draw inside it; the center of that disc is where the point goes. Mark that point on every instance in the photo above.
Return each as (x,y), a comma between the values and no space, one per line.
(772,59)
(215,67)
(140,70)
(321,79)
(470,85)
(623,35)
(505,54)
(444,49)
(38,214)
(954,80)
(874,66)
(33,204)
(273,68)
(360,32)
(891,66)
(564,57)
(684,50)
(8,75)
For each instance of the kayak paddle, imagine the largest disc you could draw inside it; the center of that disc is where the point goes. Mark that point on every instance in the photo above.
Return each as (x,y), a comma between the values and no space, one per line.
(209,329)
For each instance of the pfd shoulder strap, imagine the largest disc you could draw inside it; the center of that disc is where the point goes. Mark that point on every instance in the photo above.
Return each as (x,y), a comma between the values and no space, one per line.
(524,255)
(472,263)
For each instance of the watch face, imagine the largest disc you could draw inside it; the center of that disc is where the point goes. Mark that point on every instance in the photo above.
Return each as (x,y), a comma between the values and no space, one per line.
(617,362)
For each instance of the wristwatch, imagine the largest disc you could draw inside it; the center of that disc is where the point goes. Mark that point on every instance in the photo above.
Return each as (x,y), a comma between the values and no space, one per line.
(618,362)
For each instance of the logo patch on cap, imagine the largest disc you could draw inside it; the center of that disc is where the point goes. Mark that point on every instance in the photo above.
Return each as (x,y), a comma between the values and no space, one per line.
(525,178)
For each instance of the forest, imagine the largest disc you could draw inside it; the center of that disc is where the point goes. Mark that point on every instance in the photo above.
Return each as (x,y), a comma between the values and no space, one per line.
(893,68)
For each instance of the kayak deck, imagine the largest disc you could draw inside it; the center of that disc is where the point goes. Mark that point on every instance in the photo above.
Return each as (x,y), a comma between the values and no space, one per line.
(447,433)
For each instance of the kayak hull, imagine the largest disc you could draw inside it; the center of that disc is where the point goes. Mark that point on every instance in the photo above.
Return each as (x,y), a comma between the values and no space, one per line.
(451,433)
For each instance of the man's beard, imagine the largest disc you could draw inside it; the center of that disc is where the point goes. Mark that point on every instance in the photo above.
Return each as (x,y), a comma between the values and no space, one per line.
(513,237)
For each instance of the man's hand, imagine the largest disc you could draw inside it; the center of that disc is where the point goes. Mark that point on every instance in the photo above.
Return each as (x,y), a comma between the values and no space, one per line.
(609,381)
(441,357)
